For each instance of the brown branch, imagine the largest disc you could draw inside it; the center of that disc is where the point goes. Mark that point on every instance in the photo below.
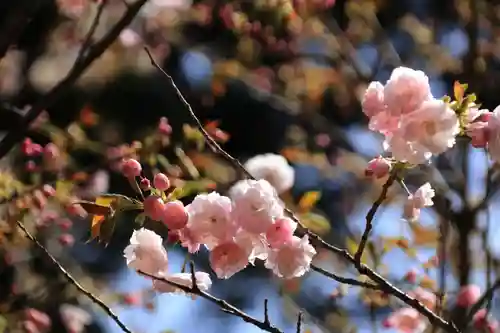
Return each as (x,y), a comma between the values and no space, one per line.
(299,322)
(264,325)
(94,52)
(371,214)
(344,280)
(384,285)
(72,280)
(87,42)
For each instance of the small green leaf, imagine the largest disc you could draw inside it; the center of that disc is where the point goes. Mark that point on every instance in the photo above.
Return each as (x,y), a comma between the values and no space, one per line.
(3,324)
(140,218)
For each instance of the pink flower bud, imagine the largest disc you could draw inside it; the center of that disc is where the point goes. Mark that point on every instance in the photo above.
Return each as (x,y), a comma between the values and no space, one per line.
(480,319)
(27,147)
(281,232)
(76,210)
(173,236)
(175,216)
(131,168)
(145,184)
(39,199)
(40,319)
(30,166)
(378,167)
(161,182)
(66,240)
(48,190)
(29,327)
(411,276)
(164,127)
(132,299)
(65,224)
(468,295)
(51,152)
(154,207)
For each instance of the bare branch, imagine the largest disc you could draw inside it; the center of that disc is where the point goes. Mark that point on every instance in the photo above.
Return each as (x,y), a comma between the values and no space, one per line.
(344,280)
(299,322)
(384,285)
(72,280)
(224,305)
(87,42)
(371,214)
(266,311)
(94,52)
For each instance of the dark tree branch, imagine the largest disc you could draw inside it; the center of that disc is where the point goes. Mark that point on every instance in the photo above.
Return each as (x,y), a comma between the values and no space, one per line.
(264,325)
(385,285)
(72,280)
(94,52)
(371,214)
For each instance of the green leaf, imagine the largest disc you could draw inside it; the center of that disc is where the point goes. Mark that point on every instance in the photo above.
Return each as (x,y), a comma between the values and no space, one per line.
(315,222)
(3,324)
(140,218)
(191,187)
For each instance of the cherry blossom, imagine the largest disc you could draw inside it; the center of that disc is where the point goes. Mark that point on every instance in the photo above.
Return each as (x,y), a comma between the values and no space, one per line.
(146,252)
(273,168)
(281,231)
(255,205)
(406,320)
(420,199)
(210,218)
(292,259)
(228,259)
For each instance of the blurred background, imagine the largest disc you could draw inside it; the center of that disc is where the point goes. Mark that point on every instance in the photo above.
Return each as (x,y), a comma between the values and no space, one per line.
(276,76)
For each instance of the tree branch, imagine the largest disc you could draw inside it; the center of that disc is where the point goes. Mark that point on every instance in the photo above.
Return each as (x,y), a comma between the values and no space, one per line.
(94,52)
(264,325)
(385,285)
(371,214)
(72,280)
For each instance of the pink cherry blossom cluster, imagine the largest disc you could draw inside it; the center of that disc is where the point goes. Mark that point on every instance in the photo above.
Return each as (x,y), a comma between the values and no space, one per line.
(416,125)
(248,225)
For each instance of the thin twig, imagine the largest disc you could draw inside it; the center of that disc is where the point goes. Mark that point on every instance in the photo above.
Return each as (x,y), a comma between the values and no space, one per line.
(266,311)
(224,305)
(87,42)
(344,280)
(385,285)
(72,280)
(299,322)
(94,52)
(371,214)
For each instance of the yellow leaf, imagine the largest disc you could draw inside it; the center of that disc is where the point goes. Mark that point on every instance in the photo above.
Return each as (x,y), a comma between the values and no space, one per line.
(352,247)
(428,283)
(315,222)
(424,236)
(308,201)
(95,227)
(97,220)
